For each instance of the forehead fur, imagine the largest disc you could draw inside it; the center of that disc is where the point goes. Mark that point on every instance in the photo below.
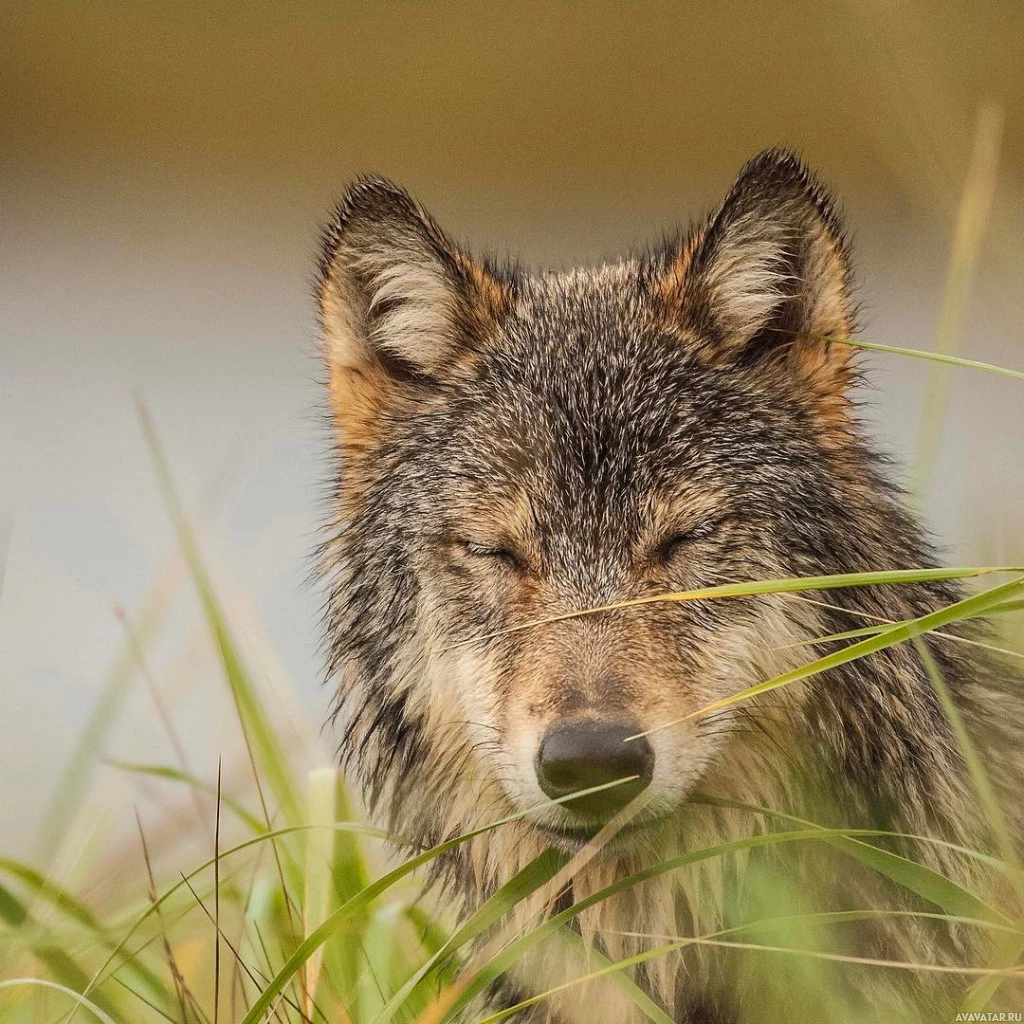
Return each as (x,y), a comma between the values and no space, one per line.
(585,367)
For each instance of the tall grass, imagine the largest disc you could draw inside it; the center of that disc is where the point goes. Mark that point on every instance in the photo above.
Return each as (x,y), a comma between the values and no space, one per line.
(296,912)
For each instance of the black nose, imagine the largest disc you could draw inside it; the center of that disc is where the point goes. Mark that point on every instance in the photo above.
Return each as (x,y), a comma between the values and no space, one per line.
(587,754)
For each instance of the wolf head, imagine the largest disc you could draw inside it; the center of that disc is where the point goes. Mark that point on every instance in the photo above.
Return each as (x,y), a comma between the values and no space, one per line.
(513,448)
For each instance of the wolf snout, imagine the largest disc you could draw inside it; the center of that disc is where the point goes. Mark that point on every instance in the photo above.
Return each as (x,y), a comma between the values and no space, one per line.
(578,756)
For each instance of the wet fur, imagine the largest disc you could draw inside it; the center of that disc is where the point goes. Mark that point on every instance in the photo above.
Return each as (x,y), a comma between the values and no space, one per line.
(577,418)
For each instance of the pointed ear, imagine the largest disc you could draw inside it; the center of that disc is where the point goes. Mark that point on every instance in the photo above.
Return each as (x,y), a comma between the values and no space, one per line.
(401,309)
(769,276)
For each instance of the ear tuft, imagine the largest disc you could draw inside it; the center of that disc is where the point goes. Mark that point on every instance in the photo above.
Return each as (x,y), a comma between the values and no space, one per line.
(399,303)
(393,283)
(769,273)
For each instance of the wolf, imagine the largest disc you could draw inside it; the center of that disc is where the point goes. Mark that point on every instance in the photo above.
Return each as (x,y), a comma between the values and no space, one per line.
(513,448)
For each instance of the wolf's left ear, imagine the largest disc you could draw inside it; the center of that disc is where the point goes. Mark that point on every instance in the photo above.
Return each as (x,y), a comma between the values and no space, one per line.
(401,308)
(768,277)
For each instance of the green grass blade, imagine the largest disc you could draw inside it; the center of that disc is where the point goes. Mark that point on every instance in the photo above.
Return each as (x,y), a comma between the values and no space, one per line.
(153,907)
(350,869)
(45,889)
(935,357)
(318,870)
(926,882)
(1008,953)
(177,775)
(609,968)
(754,588)
(61,966)
(643,1002)
(80,999)
(929,884)
(266,746)
(1011,948)
(891,635)
(971,223)
(16,915)
(428,932)
(866,914)
(540,870)
(377,946)
(979,777)
(12,911)
(715,940)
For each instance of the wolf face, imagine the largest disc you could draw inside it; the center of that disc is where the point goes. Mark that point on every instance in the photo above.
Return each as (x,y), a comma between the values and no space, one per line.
(514,448)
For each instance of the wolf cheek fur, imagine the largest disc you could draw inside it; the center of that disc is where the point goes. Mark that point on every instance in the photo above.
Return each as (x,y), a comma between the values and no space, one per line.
(511,447)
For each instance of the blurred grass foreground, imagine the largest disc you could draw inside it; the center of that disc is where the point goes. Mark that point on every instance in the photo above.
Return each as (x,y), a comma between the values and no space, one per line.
(264,895)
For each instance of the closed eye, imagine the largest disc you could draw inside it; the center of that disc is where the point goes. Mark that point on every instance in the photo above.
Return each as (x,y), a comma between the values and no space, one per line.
(487,552)
(675,543)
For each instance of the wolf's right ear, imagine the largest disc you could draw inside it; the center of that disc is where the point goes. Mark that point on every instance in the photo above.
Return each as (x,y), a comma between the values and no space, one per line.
(766,281)
(401,307)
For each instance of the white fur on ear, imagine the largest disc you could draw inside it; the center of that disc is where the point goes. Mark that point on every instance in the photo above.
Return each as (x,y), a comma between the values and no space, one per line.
(751,276)
(393,288)
(410,309)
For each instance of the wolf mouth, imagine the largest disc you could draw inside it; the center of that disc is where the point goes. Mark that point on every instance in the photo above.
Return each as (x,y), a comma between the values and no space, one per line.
(572,837)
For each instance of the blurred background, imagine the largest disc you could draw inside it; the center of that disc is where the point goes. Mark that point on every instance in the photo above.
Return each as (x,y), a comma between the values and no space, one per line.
(165,169)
